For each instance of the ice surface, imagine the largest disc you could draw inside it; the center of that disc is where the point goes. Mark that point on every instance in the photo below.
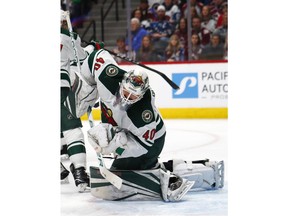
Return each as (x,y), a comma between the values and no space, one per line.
(186,139)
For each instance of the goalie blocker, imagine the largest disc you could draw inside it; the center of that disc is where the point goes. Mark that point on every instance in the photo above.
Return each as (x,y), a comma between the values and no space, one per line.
(162,183)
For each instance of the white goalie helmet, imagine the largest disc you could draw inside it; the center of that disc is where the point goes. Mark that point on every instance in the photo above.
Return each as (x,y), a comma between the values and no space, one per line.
(133,86)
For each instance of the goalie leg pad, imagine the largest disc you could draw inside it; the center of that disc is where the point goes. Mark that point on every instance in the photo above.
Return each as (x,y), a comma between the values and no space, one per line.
(206,175)
(218,168)
(173,187)
(137,185)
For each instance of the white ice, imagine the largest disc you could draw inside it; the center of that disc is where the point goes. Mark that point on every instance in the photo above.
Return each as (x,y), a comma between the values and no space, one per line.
(186,139)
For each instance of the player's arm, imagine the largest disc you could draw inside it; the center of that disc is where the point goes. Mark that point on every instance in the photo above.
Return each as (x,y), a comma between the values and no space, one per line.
(107,139)
(123,143)
(86,92)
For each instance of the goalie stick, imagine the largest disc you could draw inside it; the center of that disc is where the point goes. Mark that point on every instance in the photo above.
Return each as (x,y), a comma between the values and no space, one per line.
(67,16)
(111,177)
(170,82)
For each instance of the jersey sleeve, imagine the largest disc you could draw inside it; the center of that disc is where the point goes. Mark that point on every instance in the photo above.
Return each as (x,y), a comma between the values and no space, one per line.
(96,65)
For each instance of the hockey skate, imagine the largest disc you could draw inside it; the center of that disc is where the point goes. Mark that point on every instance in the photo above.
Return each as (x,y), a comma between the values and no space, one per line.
(218,168)
(64,174)
(82,179)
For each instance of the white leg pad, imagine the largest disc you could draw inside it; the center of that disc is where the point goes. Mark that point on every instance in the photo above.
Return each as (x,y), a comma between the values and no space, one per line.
(208,176)
(173,192)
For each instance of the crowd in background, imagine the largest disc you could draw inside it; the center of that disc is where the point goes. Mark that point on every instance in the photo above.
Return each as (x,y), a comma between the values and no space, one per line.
(159,30)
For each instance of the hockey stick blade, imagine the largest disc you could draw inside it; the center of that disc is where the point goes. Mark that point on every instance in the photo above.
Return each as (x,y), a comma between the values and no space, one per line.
(111,177)
(108,175)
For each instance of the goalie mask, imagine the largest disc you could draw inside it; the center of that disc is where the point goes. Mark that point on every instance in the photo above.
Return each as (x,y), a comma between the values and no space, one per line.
(133,86)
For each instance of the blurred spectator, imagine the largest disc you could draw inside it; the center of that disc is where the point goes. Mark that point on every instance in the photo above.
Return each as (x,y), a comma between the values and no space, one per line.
(181,3)
(153,5)
(144,8)
(216,8)
(223,29)
(172,11)
(196,47)
(144,23)
(193,4)
(137,34)
(122,51)
(222,14)
(182,33)
(160,30)
(193,13)
(137,13)
(203,33)
(206,19)
(174,51)
(146,52)
(79,12)
(214,50)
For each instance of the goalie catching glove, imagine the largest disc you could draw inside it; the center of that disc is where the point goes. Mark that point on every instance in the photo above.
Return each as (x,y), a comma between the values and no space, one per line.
(105,139)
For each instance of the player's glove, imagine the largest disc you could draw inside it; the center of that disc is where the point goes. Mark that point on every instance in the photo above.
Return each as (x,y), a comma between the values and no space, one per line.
(97,44)
(106,139)
(116,145)
(100,135)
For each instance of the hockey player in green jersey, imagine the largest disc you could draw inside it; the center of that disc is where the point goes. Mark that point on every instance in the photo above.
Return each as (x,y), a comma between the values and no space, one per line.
(71,132)
(132,129)
(128,109)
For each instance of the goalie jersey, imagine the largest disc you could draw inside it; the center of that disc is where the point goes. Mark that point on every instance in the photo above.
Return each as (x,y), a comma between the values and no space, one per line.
(142,120)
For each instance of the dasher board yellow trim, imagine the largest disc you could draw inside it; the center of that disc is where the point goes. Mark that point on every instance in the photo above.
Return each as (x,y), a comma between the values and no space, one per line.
(174,113)
(194,112)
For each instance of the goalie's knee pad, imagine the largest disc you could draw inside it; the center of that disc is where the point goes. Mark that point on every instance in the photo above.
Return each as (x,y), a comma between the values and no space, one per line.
(206,174)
